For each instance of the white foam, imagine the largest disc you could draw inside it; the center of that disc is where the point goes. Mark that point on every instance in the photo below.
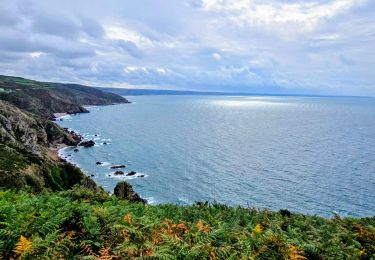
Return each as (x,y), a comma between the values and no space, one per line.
(135,176)
(151,200)
(104,164)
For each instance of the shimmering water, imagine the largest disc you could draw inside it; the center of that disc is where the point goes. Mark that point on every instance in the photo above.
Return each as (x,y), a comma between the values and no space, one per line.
(307,154)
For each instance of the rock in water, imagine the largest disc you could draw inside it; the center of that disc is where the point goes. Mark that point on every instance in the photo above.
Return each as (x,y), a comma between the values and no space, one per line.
(99,163)
(87,143)
(76,150)
(117,166)
(124,190)
(131,173)
(119,173)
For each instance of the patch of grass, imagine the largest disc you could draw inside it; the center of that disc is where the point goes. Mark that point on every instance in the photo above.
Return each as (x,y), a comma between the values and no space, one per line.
(11,159)
(81,224)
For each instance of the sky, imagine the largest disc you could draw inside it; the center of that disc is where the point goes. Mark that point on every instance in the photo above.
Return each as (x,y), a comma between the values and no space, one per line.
(256,46)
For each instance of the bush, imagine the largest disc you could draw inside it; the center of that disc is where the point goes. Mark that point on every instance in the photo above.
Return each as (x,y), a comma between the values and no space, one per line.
(82,224)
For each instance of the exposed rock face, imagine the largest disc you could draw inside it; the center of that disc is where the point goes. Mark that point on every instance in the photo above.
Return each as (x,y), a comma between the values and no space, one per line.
(124,190)
(25,159)
(22,129)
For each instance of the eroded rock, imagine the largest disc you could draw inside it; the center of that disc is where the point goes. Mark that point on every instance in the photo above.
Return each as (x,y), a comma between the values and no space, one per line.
(124,190)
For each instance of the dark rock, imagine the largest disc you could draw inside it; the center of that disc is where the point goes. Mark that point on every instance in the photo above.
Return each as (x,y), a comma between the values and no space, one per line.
(119,173)
(131,173)
(124,190)
(99,163)
(285,212)
(141,176)
(87,143)
(76,150)
(118,166)
(92,175)
(105,143)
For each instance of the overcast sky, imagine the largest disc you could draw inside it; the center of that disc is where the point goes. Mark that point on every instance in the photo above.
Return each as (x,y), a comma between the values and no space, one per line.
(269,46)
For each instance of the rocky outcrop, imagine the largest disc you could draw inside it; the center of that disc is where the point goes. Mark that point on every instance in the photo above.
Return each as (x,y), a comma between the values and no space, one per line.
(87,144)
(118,166)
(131,173)
(124,190)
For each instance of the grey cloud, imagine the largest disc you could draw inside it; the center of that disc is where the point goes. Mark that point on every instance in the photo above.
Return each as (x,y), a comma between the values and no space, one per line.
(92,27)
(58,25)
(129,47)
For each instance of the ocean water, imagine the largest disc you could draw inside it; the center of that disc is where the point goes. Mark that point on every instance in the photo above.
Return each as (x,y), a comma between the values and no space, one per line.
(307,154)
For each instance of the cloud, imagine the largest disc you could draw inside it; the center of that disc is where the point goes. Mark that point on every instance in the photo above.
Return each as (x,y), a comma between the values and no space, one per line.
(303,15)
(319,46)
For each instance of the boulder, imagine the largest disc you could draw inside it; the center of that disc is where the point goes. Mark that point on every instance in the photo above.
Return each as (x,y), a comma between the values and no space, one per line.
(131,173)
(87,143)
(119,173)
(76,150)
(99,163)
(118,166)
(124,190)
(140,176)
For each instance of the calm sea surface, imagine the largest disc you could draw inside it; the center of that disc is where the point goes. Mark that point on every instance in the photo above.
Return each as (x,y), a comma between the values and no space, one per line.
(308,154)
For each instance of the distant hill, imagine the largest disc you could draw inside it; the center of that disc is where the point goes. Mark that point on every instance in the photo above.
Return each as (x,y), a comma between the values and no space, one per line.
(45,98)
(141,92)
(144,92)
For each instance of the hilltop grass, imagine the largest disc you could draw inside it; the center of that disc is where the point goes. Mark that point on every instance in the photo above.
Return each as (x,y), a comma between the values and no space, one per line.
(78,224)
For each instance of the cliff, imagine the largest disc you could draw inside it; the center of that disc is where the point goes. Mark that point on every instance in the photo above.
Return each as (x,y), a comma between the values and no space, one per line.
(29,140)
(26,159)
(45,98)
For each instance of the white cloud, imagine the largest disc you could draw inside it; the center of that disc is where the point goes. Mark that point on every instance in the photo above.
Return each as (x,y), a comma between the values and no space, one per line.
(127,34)
(216,56)
(36,54)
(303,15)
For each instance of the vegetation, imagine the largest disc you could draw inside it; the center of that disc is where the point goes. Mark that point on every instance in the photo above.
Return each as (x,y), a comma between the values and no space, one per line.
(46,98)
(80,224)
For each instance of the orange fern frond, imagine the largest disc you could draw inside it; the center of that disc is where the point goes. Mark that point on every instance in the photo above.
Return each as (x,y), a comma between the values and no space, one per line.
(202,227)
(295,254)
(128,219)
(23,246)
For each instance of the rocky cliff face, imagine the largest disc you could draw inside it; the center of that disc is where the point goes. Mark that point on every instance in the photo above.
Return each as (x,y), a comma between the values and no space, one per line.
(25,158)
(21,129)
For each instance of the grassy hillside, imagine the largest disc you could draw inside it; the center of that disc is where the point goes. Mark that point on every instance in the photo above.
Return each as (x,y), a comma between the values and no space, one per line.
(44,98)
(79,224)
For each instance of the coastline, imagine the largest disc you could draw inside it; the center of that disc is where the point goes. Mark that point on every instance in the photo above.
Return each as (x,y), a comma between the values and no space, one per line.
(54,151)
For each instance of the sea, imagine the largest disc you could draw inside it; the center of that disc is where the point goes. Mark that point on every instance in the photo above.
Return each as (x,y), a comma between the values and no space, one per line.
(311,155)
